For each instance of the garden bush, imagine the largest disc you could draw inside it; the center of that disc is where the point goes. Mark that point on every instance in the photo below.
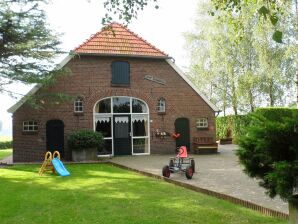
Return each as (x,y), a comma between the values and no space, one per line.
(85,139)
(269,151)
(6,145)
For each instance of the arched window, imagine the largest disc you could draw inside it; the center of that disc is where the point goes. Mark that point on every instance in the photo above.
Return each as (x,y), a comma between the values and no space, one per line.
(78,105)
(123,121)
(161,105)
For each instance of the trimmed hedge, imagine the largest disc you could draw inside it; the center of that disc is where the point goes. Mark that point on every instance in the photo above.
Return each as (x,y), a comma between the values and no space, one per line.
(6,145)
(231,126)
(275,113)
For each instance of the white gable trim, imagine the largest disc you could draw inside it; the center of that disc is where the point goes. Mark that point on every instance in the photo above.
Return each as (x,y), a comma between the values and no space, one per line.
(16,106)
(183,76)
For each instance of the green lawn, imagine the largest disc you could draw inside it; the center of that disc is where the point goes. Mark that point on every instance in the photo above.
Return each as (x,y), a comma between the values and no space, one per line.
(104,194)
(4,153)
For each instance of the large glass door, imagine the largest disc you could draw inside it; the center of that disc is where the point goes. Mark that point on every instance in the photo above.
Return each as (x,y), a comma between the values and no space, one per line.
(122,135)
(124,123)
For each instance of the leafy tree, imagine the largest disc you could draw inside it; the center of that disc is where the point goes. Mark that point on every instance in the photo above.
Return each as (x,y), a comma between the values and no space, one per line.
(269,151)
(240,60)
(27,45)
(270,10)
(277,61)
(125,9)
(219,55)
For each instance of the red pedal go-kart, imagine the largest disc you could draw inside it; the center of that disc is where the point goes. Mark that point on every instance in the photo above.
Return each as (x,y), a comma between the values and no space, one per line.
(180,163)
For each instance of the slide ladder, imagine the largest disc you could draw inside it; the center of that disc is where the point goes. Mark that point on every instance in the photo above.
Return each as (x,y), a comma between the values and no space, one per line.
(47,164)
(53,163)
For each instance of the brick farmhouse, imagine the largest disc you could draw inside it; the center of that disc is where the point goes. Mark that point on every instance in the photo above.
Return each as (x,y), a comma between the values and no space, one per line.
(125,88)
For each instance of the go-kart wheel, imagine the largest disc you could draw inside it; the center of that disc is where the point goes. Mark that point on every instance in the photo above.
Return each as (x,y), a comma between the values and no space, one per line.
(171,165)
(166,171)
(189,172)
(193,165)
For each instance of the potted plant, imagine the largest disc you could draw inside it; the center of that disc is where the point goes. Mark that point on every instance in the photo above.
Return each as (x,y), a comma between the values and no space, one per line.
(84,145)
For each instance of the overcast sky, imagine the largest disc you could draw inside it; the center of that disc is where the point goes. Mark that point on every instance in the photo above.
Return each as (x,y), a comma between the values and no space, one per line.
(79,19)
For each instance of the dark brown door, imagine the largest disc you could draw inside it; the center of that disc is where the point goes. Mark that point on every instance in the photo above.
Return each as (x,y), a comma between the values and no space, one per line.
(182,127)
(55,136)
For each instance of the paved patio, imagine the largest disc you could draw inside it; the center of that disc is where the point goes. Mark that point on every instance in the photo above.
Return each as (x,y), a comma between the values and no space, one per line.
(7,160)
(220,172)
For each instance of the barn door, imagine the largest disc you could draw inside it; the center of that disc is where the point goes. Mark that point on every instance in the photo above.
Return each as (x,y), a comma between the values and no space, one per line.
(182,127)
(55,136)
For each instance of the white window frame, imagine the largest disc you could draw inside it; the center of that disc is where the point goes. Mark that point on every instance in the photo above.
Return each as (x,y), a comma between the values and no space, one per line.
(202,122)
(111,115)
(161,105)
(76,107)
(30,124)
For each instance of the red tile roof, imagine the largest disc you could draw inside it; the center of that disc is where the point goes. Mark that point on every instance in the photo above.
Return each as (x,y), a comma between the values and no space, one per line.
(118,40)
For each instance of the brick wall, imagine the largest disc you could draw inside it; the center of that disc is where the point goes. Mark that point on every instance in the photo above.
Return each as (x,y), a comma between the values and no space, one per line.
(90,77)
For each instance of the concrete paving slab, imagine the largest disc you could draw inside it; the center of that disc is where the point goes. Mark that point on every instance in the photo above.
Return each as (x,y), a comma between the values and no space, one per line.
(217,172)
(7,160)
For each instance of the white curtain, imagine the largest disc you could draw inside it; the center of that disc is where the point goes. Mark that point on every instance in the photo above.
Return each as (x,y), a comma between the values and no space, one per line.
(102,119)
(121,119)
(139,118)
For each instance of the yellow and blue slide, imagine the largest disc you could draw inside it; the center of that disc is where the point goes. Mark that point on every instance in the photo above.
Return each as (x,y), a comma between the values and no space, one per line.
(59,167)
(53,163)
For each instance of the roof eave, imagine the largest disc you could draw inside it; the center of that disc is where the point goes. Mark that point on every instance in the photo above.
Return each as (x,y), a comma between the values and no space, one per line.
(120,55)
(183,76)
(17,105)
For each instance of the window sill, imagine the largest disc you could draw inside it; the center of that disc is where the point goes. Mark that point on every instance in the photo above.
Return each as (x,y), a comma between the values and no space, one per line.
(120,85)
(78,113)
(203,128)
(29,132)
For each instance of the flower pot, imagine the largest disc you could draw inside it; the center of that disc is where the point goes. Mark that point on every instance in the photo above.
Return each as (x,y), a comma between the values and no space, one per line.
(84,155)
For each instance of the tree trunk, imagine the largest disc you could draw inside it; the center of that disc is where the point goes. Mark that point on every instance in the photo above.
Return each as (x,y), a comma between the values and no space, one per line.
(234,99)
(251,101)
(271,96)
(297,85)
(233,93)
(296,7)
(293,213)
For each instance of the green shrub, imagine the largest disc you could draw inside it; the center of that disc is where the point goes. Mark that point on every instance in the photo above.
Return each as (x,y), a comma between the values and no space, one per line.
(6,145)
(231,126)
(269,150)
(85,139)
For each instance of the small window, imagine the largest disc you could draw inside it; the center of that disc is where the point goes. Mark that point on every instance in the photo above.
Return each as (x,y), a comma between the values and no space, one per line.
(120,73)
(161,105)
(30,126)
(78,106)
(202,123)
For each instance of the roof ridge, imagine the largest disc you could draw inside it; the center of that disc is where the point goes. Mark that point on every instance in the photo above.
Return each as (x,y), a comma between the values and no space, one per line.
(122,35)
